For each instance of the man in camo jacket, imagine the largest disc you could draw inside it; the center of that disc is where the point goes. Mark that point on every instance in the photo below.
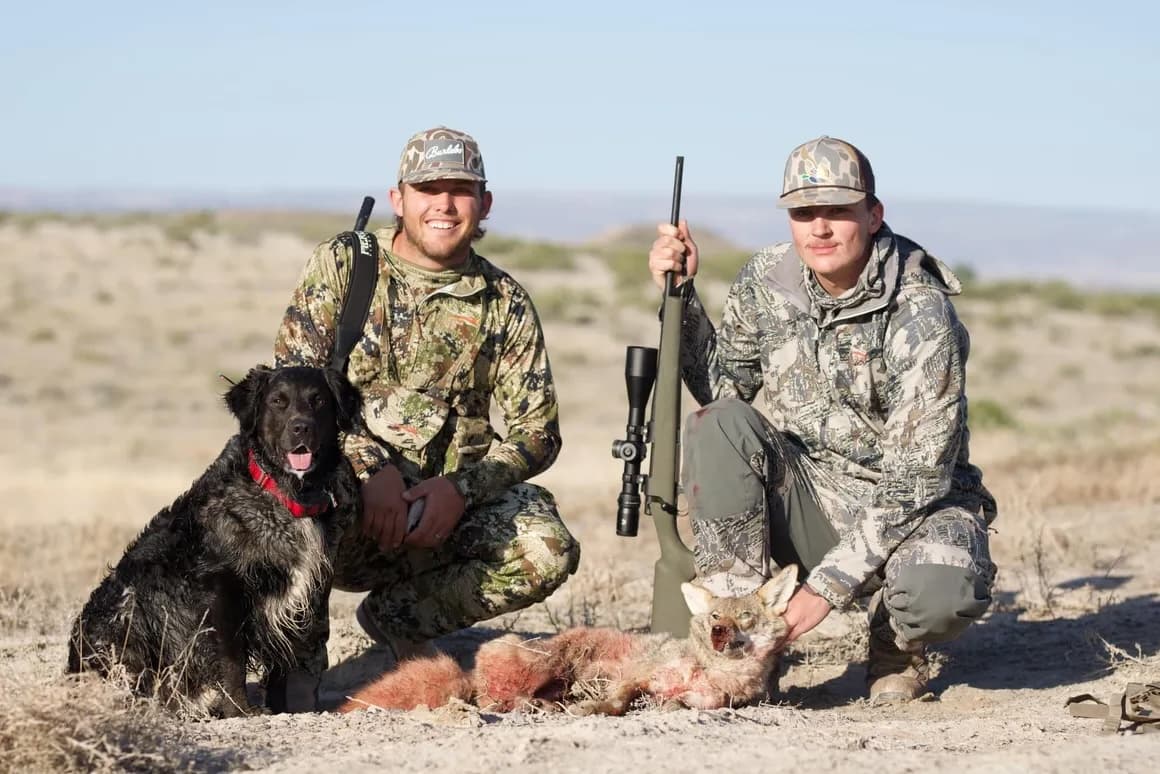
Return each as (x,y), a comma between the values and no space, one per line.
(447,333)
(856,463)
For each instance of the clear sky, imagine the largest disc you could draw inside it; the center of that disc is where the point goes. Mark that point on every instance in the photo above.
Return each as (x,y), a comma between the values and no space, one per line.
(1025,102)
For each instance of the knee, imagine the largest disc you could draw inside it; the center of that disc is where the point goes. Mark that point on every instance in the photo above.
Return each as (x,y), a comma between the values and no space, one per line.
(936,603)
(550,555)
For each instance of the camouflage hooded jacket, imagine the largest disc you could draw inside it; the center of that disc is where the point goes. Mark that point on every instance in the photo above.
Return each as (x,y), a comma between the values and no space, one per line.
(437,348)
(870,385)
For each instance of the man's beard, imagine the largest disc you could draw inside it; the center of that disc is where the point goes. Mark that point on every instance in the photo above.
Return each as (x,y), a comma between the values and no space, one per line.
(438,252)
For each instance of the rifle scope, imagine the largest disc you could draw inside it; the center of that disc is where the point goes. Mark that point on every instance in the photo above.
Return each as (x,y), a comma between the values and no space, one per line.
(640,371)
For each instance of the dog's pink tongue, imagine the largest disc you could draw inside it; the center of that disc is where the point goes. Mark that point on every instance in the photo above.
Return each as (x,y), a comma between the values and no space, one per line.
(299,461)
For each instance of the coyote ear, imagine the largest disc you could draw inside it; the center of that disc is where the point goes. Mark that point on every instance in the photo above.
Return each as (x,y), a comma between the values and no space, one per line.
(778,589)
(698,599)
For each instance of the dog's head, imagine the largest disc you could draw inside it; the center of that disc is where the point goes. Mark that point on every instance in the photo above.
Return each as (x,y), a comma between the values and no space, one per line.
(293,415)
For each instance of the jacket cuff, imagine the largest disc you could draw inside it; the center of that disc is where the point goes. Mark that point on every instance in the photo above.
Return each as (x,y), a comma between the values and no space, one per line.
(830,589)
(367,461)
(466,486)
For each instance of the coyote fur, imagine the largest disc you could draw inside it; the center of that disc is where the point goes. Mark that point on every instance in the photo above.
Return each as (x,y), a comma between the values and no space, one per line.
(730,658)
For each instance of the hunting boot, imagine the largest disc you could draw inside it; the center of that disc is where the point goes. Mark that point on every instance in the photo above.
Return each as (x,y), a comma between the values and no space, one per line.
(396,648)
(893,673)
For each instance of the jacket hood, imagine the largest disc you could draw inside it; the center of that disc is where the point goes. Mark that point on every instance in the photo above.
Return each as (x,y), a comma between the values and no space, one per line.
(895,262)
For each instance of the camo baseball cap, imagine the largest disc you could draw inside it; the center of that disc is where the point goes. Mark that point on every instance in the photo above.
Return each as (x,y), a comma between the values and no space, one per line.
(441,154)
(825,171)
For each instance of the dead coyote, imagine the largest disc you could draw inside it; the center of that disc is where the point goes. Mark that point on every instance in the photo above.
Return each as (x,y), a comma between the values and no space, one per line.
(728,659)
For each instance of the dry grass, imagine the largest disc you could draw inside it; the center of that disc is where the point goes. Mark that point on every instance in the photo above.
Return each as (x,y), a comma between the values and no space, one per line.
(1128,666)
(94,725)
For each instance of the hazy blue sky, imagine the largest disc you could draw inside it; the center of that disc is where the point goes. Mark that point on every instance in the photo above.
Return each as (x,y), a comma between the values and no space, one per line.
(1023,102)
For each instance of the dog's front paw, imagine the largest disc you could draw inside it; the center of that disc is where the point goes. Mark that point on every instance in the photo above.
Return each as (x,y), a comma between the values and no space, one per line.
(236,708)
(296,691)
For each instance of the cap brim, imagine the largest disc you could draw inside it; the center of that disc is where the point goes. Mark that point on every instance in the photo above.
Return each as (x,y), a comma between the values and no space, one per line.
(427,175)
(819,195)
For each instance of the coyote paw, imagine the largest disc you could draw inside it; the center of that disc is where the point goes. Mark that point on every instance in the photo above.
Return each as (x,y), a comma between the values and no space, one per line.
(544,705)
(596,707)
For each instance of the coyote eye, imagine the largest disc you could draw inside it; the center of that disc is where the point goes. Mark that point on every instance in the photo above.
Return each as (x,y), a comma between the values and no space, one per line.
(715,615)
(745,620)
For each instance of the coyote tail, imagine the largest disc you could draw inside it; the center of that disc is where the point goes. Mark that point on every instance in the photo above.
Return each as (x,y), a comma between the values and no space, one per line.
(430,682)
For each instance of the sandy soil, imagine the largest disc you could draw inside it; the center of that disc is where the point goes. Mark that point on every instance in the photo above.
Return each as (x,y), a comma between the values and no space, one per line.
(112,344)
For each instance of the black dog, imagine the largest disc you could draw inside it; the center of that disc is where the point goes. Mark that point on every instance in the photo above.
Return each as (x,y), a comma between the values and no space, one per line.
(236,573)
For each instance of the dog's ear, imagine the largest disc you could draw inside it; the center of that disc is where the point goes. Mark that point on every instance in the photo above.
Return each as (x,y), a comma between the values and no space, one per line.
(245,397)
(347,400)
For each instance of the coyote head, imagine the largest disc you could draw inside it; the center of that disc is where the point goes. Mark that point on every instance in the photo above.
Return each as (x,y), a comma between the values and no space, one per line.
(740,627)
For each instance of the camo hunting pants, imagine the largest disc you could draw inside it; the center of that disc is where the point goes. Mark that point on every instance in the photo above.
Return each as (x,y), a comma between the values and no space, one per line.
(504,555)
(756,502)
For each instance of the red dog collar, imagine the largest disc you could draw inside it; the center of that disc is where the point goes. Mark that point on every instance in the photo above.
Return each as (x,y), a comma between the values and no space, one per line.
(262,479)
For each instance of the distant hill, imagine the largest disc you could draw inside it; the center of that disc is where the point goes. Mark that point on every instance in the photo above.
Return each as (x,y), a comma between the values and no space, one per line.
(1112,248)
(640,237)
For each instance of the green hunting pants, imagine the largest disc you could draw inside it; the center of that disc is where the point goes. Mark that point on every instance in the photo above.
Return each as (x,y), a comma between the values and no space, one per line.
(753,507)
(503,556)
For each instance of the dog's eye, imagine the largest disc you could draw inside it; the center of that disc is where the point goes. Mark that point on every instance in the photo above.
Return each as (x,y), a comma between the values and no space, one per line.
(317,401)
(279,401)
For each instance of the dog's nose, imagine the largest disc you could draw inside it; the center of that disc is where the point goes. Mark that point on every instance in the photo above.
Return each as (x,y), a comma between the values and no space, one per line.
(299,427)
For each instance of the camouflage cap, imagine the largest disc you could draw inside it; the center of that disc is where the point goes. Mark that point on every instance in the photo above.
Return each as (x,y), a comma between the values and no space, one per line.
(441,154)
(825,171)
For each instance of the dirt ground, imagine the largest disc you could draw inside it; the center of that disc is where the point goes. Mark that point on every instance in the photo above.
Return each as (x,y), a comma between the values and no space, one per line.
(113,340)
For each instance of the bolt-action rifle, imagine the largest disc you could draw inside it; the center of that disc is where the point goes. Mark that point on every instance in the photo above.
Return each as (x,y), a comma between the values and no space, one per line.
(643,366)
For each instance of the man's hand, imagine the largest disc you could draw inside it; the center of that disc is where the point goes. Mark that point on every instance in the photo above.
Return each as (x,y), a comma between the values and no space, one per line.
(384,511)
(806,610)
(674,250)
(443,507)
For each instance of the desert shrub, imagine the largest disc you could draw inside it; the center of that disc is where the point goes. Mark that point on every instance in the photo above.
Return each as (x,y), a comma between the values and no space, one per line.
(988,414)
(183,227)
(1056,294)
(722,267)
(1147,349)
(1000,362)
(562,303)
(527,255)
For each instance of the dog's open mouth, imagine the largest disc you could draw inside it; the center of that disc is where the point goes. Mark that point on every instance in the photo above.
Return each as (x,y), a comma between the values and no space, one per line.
(300,459)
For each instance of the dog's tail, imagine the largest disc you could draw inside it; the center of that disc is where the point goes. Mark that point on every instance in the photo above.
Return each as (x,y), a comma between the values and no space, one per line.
(430,682)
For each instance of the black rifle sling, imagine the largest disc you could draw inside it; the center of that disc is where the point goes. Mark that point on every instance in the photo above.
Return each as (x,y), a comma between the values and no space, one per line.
(356,305)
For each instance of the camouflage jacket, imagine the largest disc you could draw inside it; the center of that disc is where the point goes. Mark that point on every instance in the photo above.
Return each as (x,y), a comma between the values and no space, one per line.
(429,368)
(870,385)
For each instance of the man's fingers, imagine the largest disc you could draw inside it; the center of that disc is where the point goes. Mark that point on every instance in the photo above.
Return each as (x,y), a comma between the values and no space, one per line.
(388,534)
(381,535)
